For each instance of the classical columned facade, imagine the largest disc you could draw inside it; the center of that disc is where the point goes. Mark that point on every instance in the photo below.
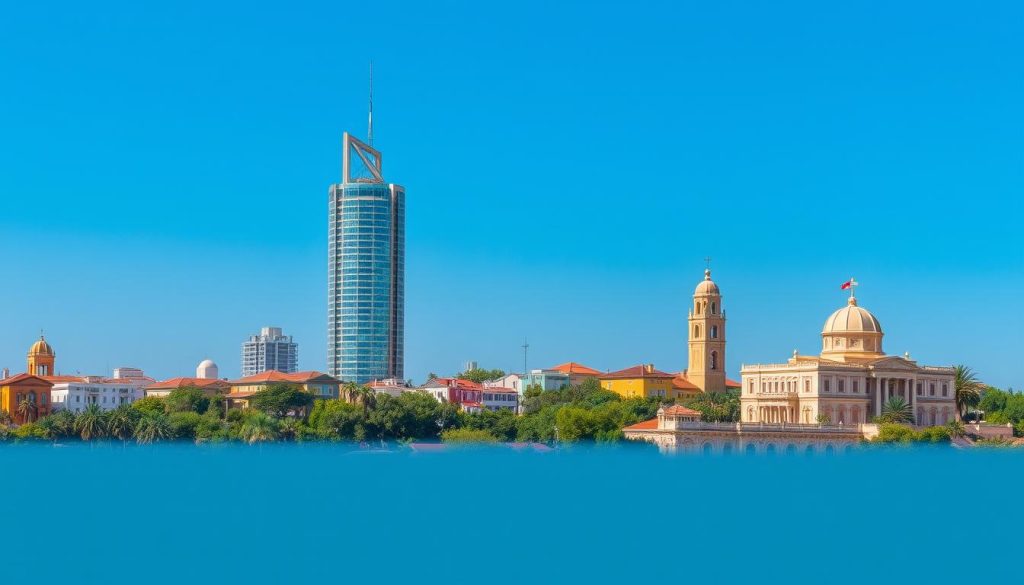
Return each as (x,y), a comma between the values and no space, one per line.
(849,383)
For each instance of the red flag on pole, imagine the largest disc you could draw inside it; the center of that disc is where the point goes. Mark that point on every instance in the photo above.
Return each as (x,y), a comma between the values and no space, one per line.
(846,285)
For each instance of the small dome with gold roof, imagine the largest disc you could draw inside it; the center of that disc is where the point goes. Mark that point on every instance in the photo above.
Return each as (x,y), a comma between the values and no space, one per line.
(707,286)
(41,347)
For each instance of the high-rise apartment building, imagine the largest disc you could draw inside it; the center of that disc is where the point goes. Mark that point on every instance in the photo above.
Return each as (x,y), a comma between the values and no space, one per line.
(270,350)
(366,271)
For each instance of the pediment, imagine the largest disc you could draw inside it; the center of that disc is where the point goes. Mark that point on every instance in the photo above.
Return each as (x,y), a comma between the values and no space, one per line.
(894,363)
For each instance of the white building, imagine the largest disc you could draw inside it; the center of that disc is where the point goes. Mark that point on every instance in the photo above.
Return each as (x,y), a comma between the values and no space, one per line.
(76,393)
(270,350)
(513,381)
(500,399)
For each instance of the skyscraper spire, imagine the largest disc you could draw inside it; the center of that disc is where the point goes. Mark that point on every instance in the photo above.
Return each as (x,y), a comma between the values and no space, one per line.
(369,131)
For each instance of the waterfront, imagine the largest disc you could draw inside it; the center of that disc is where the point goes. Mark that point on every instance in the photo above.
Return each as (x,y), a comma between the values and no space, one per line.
(335,513)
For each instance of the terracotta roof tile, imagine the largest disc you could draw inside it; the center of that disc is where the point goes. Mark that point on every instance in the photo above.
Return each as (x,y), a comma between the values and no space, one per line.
(574,368)
(643,426)
(640,371)
(275,376)
(182,382)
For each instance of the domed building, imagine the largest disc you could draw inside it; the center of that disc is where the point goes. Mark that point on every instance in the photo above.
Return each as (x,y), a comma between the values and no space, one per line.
(41,358)
(849,382)
(207,370)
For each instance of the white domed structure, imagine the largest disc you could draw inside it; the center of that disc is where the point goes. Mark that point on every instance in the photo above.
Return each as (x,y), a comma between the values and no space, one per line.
(207,370)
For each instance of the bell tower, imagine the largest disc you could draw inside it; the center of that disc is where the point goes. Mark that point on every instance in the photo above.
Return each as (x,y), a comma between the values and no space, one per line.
(41,358)
(707,337)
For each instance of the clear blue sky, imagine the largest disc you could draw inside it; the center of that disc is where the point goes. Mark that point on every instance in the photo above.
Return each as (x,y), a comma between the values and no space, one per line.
(164,173)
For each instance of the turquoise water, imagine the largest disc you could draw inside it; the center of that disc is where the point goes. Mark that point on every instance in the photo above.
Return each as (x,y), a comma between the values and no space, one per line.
(337,514)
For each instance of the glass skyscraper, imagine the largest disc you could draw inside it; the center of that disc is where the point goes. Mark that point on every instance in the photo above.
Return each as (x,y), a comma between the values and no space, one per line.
(366,270)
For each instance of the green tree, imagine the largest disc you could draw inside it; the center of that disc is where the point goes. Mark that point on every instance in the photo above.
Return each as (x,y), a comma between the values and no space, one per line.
(184,425)
(334,419)
(186,399)
(896,410)
(468,436)
(122,420)
(27,410)
(259,427)
(279,400)
(955,429)
(152,427)
(62,424)
(5,418)
(366,396)
(150,405)
(966,389)
(91,423)
(479,375)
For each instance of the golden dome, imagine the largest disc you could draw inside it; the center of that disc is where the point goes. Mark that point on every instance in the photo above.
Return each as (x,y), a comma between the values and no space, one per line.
(41,347)
(706,286)
(851,319)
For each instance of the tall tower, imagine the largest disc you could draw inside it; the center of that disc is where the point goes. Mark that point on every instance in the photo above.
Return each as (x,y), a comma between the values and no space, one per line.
(366,270)
(41,358)
(707,337)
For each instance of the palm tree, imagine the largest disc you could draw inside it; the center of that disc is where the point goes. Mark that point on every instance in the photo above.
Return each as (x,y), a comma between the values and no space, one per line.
(121,421)
(26,410)
(966,389)
(367,397)
(349,391)
(258,427)
(897,410)
(91,423)
(955,428)
(62,423)
(152,427)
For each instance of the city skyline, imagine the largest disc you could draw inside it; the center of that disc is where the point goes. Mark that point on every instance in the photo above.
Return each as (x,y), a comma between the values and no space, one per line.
(878,155)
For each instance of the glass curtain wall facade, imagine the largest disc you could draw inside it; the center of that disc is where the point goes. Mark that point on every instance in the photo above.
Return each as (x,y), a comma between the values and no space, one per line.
(366,272)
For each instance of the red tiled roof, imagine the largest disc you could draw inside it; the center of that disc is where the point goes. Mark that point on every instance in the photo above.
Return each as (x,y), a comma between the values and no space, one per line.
(643,426)
(22,378)
(732,383)
(174,383)
(681,383)
(60,379)
(458,383)
(574,368)
(636,372)
(500,390)
(275,376)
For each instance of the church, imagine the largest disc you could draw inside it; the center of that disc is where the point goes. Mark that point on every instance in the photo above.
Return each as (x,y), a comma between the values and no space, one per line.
(849,382)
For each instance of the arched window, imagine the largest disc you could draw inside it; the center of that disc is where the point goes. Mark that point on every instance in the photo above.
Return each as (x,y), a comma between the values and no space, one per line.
(696,307)
(714,332)
(714,360)
(696,331)
(713,307)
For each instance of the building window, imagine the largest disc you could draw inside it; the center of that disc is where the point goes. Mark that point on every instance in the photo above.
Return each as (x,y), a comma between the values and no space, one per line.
(828,385)
(931,389)
(807,385)
(714,359)
(856,387)
(712,308)
(945,390)
(696,331)
(714,332)
(842,385)
(919,391)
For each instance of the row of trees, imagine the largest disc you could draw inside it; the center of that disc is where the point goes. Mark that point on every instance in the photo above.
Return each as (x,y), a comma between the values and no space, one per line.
(282,412)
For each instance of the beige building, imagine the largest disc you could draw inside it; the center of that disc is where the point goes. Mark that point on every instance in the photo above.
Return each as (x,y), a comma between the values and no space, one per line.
(849,382)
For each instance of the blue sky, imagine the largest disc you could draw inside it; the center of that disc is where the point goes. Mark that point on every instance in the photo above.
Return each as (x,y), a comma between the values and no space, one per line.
(164,173)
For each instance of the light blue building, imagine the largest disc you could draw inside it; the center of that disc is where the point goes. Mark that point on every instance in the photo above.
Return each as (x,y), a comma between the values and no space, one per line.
(546,379)
(366,270)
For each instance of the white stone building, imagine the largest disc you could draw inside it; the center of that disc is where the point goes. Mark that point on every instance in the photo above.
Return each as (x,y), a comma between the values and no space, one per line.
(849,382)
(76,393)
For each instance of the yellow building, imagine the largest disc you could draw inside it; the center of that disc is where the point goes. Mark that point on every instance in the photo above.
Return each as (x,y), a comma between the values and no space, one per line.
(318,384)
(641,381)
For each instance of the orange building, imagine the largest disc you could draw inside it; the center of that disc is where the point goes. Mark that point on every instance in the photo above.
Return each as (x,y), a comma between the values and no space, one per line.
(577,372)
(25,397)
(318,384)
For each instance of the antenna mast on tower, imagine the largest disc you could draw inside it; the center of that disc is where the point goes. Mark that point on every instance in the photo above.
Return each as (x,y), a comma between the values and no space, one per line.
(369,131)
